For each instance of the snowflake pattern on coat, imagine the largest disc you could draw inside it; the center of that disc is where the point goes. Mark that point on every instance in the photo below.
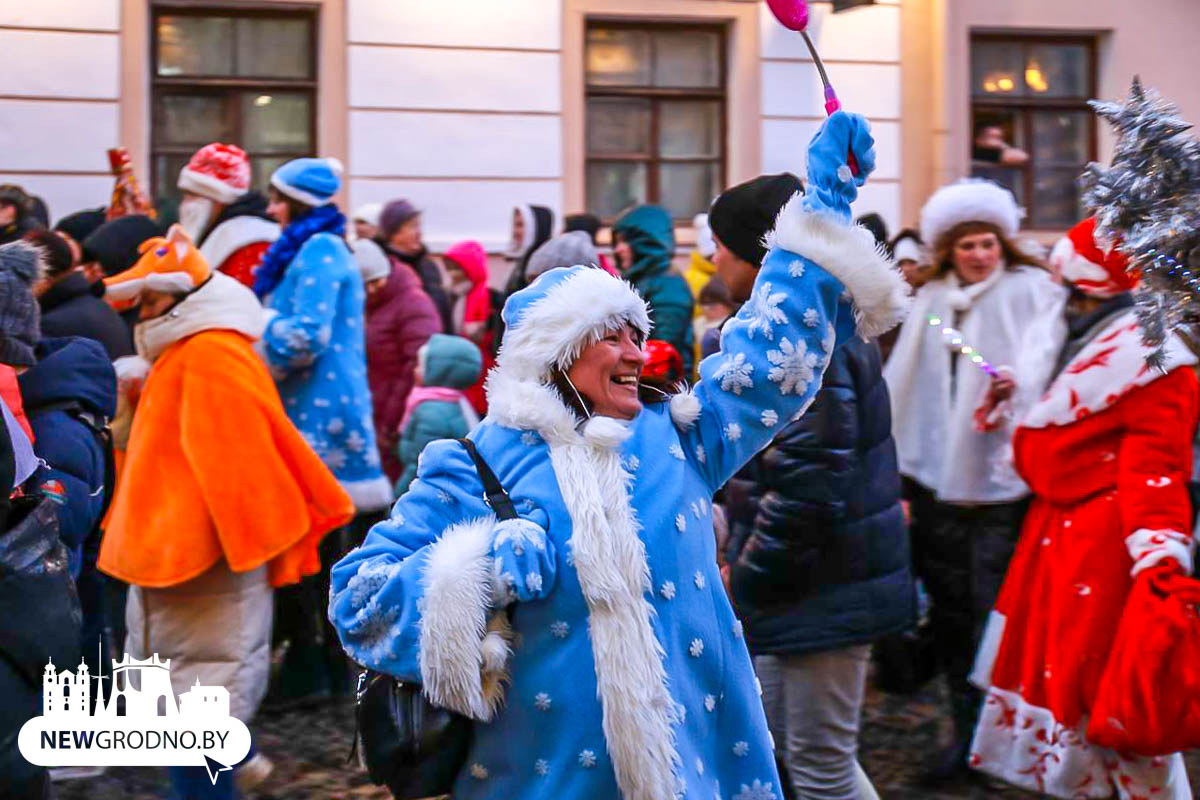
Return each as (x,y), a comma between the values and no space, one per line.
(765,312)
(793,366)
(703,652)
(319,303)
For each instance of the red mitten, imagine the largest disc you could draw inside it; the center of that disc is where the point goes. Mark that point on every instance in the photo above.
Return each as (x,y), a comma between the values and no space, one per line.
(1148,701)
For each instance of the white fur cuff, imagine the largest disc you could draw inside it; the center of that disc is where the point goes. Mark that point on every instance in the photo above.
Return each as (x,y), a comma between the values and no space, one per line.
(849,253)
(463,656)
(1148,548)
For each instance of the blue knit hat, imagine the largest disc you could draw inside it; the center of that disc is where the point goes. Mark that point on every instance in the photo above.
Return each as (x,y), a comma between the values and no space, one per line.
(312,181)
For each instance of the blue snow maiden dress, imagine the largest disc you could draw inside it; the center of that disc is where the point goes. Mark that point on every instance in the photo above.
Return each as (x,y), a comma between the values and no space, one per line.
(315,348)
(624,673)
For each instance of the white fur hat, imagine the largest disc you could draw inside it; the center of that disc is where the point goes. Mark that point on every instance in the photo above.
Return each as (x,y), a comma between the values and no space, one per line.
(969,200)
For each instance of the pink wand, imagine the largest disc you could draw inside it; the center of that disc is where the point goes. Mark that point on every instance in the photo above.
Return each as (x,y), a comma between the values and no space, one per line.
(793,15)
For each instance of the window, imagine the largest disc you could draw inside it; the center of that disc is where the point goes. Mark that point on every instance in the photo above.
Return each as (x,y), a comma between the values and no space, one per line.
(1032,131)
(238,75)
(655,117)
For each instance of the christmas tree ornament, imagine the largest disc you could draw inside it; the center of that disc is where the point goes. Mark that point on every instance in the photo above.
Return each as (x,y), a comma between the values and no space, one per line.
(793,15)
(1147,203)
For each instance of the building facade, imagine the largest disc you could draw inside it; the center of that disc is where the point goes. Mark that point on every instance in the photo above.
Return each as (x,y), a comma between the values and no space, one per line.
(468,107)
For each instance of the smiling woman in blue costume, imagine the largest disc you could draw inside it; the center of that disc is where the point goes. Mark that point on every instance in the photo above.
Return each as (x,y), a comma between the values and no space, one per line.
(624,673)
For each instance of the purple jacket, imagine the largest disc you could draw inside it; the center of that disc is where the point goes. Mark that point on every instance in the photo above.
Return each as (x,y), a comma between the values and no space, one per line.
(400,319)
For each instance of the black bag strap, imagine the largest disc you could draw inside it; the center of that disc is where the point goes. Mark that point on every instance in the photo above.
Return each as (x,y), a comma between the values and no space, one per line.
(493,493)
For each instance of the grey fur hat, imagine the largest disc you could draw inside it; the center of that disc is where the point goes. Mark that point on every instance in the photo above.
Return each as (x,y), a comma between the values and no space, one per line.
(20,267)
(571,249)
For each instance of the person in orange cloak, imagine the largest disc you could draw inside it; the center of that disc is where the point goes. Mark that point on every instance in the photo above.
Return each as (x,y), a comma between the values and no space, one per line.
(221,499)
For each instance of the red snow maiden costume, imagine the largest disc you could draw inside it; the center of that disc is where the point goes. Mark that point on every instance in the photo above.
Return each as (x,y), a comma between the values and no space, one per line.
(1107,452)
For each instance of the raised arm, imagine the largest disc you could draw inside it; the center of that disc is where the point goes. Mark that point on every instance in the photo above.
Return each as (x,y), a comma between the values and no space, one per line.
(822,281)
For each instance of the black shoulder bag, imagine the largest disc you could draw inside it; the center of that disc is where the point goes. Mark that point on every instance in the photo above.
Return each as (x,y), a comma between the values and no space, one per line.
(407,743)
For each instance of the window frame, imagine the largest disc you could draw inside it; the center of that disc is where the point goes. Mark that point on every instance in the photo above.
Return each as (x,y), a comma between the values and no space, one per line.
(1025,105)
(655,96)
(228,85)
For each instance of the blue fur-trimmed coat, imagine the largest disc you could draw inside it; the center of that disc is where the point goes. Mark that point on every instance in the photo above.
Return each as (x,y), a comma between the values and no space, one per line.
(630,679)
(314,347)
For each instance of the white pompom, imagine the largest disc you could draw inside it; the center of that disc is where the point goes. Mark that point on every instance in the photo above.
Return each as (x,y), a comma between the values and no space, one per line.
(605,431)
(685,409)
(494,651)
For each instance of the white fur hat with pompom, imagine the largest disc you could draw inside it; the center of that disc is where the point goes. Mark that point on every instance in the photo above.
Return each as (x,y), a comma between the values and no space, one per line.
(969,200)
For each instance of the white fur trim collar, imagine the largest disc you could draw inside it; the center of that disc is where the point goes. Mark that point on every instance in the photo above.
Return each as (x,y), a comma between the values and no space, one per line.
(1104,371)
(234,234)
(639,714)
(463,656)
(220,304)
(573,313)
(849,253)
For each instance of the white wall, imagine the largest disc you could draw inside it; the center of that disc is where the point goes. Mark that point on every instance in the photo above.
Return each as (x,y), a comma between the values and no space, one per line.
(59,111)
(456,105)
(861,52)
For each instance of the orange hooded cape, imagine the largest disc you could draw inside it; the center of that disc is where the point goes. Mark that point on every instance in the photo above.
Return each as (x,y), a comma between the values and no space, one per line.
(214,469)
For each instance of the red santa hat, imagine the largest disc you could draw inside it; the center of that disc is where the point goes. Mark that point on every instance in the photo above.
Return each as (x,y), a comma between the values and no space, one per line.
(1092,269)
(220,172)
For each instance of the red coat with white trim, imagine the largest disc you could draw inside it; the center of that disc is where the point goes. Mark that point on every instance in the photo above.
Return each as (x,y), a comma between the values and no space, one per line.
(1107,453)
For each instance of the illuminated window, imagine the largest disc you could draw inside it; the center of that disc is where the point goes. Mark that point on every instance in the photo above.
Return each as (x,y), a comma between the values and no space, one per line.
(1032,130)
(655,117)
(240,75)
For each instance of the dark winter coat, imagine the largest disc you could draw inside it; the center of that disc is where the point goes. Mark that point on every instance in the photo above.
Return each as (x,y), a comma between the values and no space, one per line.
(431,282)
(400,318)
(71,308)
(819,550)
(651,235)
(72,384)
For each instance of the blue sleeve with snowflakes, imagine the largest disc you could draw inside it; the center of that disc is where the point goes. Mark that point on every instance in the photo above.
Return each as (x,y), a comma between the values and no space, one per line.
(375,590)
(294,340)
(773,355)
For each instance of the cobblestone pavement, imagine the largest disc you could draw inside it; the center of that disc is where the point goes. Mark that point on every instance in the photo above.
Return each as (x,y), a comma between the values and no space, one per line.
(310,747)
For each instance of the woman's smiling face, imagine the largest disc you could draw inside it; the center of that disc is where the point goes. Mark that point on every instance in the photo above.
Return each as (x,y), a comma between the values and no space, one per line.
(607,373)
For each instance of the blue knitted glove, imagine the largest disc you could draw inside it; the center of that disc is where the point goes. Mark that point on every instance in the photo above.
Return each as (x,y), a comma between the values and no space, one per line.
(523,561)
(831,185)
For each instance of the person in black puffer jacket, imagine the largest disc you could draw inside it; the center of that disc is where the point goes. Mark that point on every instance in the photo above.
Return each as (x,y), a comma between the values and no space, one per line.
(818,551)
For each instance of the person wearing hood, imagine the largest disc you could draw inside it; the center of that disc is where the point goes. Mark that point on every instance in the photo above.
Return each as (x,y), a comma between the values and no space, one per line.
(954,425)
(16,213)
(620,667)
(400,319)
(221,500)
(400,236)
(227,220)
(532,226)
(69,304)
(438,407)
(589,224)
(1107,452)
(366,221)
(475,309)
(644,246)
(76,227)
(700,268)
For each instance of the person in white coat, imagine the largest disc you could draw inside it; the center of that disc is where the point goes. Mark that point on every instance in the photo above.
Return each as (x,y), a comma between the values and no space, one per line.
(975,352)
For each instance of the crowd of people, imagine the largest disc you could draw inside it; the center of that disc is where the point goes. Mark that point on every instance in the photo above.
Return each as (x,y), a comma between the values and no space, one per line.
(739,472)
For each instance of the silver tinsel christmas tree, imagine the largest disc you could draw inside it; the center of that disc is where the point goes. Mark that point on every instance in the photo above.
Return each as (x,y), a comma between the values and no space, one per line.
(1148,202)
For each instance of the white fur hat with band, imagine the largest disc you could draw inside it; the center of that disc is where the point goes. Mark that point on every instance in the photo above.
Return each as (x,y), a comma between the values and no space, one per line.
(549,322)
(969,200)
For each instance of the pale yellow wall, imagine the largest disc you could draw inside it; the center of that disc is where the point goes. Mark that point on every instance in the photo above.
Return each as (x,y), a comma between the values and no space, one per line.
(135,81)
(1153,38)
(744,98)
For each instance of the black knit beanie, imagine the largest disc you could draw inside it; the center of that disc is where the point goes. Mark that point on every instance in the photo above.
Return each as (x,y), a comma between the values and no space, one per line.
(114,245)
(81,224)
(20,323)
(742,216)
